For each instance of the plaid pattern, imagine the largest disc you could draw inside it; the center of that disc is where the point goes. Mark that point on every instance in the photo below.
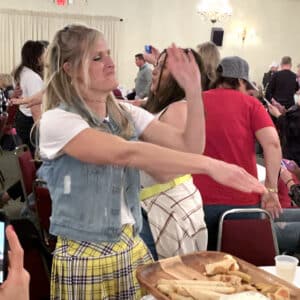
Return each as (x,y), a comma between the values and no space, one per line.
(176,219)
(84,270)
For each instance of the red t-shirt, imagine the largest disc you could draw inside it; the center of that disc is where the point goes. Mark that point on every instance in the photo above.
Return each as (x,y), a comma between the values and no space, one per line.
(232,118)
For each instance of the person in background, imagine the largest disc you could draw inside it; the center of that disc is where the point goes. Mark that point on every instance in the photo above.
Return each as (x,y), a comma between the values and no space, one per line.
(16,286)
(172,206)
(210,55)
(283,84)
(233,121)
(143,79)
(268,75)
(29,75)
(288,125)
(6,85)
(91,166)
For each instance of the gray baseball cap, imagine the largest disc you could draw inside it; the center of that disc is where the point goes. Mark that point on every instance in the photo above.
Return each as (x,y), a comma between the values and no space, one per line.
(236,67)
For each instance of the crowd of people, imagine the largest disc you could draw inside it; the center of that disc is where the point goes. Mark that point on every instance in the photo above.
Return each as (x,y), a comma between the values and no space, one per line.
(133,182)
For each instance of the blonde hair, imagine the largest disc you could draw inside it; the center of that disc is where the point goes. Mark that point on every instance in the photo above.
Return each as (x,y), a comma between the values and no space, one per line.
(211,58)
(6,80)
(73,44)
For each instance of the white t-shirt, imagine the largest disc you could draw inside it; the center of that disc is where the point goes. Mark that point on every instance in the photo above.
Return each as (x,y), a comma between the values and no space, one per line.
(58,127)
(30,83)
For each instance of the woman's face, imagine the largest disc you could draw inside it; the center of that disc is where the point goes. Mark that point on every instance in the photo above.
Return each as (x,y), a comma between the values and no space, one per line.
(158,69)
(101,68)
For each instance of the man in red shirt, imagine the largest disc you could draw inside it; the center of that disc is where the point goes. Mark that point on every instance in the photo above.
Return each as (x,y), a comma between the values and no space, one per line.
(233,121)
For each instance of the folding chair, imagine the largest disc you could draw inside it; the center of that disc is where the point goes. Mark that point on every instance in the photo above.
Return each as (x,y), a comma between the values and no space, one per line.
(287,228)
(37,259)
(251,239)
(43,209)
(27,172)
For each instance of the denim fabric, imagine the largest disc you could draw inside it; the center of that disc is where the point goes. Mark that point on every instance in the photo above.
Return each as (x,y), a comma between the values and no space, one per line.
(86,197)
(212,217)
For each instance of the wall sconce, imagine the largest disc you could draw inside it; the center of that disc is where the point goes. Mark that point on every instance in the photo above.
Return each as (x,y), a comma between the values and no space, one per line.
(245,33)
(214,10)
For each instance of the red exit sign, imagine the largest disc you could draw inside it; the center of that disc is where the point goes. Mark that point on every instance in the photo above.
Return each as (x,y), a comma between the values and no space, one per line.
(61,2)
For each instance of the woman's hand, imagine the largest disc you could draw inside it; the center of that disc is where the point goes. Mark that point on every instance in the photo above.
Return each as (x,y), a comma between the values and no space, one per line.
(270,202)
(280,107)
(16,286)
(152,57)
(235,177)
(274,111)
(184,69)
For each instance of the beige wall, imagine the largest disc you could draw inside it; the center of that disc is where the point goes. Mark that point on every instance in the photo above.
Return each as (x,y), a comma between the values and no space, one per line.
(160,22)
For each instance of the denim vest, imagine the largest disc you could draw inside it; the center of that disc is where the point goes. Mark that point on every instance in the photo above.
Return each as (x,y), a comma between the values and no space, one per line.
(86,197)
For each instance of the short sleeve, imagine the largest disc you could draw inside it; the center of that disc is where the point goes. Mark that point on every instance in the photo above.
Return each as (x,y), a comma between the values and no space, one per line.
(31,82)
(141,117)
(57,128)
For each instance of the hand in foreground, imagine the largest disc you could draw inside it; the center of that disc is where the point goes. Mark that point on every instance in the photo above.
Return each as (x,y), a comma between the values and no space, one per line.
(235,177)
(184,69)
(270,202)
(152,57)
(16,286)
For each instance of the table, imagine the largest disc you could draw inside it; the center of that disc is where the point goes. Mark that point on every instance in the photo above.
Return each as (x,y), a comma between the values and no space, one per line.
(271,269)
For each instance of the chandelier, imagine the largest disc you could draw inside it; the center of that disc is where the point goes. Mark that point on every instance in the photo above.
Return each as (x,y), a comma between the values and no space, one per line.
(214,10)
(69,2)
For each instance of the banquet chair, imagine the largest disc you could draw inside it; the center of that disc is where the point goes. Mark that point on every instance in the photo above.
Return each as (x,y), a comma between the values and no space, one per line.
(251,239)
(43,205)
(9,128)
(27,172)
(287,228)
(37,258)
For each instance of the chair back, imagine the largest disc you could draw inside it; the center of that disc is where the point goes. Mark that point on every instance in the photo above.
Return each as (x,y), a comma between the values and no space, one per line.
(287,228)
(37,259)
(43,209)
(12,111)
(251,239)
(3,121)
(27,169)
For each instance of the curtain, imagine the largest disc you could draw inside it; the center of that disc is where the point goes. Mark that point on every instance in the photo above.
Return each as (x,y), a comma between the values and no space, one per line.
(16,27)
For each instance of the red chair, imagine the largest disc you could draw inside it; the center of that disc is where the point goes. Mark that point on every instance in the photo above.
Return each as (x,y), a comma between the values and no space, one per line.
(118,94)
(9,128)
(43,209)
(27,171)
(253,240)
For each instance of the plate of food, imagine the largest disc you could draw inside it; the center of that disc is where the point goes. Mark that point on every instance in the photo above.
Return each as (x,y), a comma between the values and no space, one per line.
(209,275)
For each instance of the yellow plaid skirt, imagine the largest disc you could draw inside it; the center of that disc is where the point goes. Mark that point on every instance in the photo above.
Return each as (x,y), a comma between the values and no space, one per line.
(84,270)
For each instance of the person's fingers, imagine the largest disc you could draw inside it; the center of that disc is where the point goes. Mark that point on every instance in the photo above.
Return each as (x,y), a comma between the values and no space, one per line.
(16,251)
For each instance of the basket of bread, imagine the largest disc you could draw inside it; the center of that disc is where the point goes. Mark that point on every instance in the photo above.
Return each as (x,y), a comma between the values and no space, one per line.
(212,276)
